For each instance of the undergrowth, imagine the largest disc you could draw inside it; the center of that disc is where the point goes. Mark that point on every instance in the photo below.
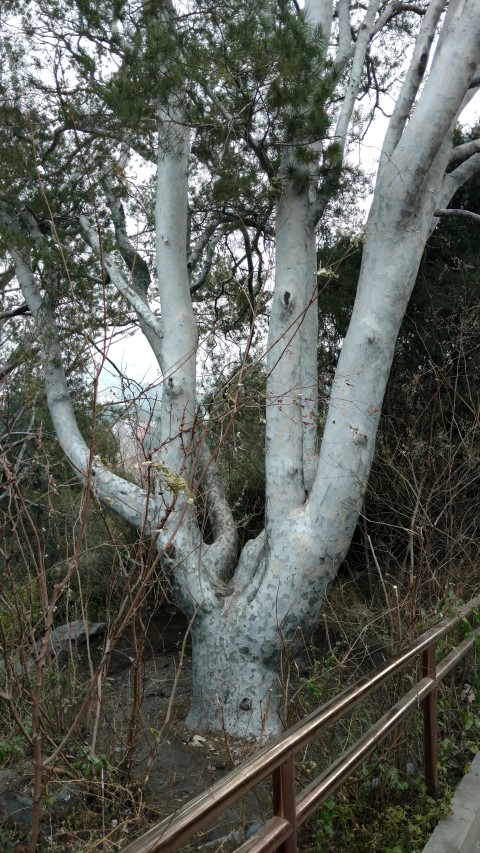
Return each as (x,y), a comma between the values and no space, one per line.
(384,806)
(352,822)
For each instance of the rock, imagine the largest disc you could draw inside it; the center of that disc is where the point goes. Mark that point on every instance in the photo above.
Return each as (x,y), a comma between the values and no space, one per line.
(59,641)
(73,632)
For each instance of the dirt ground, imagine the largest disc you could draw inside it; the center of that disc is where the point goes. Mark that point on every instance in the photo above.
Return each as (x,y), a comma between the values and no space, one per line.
(170,764)
(174,763)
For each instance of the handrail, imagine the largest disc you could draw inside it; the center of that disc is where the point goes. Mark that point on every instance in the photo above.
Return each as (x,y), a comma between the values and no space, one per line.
(276,758)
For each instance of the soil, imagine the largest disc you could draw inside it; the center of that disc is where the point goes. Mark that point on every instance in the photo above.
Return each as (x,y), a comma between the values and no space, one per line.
(169,766)
(175,763)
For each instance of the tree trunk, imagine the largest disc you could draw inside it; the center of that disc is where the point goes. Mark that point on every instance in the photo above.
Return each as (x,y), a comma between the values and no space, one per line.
(236,688)
(242,644)
(244,620)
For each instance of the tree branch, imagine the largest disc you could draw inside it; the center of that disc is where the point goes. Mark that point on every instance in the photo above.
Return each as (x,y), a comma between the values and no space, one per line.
(456,179)
(458,212)
(207,264)
(16,359)
(120,137)
(346,48)
(428,127)
(140,275)
(394,9)
(6,277)
(413,79)
(462,152)
(220,557)
(355,78)
(127,500)
(344,33)
(284,437)
(319,13)
(138,268)
(18,462)
(139,305)
(15,312)
(197,251)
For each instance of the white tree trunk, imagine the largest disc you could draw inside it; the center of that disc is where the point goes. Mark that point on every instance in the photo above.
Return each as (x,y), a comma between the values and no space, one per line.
(245,641)
(238,649)
(246,612)
(236,685)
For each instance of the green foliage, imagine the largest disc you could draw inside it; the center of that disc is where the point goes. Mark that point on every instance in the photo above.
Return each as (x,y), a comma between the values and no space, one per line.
(444,301)
(350,823)
(90,765)
(236,410)
(264,56)
(148,73)
(384,806)
(11,750)
(237,72)
(43,508)
(262,67)
(5,842)
(176,484)
(20,607)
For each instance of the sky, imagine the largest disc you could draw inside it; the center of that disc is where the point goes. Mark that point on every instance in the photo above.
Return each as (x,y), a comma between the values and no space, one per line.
(133,356)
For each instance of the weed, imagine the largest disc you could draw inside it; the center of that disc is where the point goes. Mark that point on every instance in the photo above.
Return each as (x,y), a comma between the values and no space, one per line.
(5,843)
(89,764)
(11,750)
(349,821)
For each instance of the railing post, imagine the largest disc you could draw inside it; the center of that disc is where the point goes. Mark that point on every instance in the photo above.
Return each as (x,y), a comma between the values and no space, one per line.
(430,730)
(284,801)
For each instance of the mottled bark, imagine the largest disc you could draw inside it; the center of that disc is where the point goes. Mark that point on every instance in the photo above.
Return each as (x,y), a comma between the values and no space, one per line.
(247,609)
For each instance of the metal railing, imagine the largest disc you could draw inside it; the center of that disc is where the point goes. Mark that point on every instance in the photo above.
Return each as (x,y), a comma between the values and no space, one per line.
(277,757)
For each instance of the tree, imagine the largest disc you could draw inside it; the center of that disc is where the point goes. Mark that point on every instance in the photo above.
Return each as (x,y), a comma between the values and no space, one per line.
(247,110)
(419,508)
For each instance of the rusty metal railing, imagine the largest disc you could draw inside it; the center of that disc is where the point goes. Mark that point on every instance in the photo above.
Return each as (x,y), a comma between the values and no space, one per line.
(277,757)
